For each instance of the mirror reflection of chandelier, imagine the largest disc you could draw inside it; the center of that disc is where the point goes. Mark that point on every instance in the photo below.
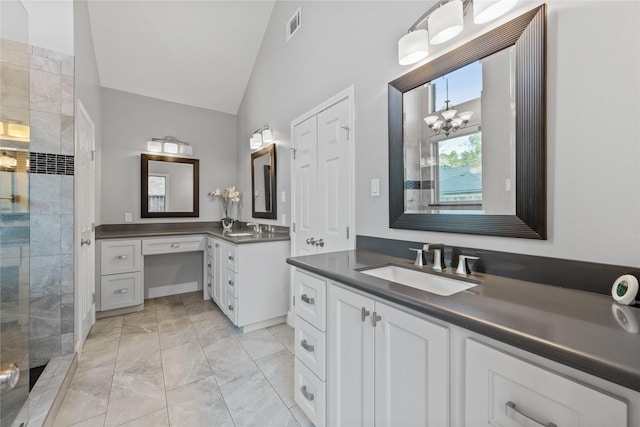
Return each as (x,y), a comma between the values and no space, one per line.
(446,121)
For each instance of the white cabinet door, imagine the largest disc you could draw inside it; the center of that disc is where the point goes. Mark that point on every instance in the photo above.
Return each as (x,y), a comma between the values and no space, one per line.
(218,272)
(503,390)
(411,370)
(350,381)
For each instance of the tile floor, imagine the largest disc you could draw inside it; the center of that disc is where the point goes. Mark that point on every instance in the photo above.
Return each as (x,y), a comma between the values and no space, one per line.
(180,362)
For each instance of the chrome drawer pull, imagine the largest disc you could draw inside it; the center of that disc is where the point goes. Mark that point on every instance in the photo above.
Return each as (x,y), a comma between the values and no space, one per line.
(306,394)
(175,245)
(308,300)
(231,282)
(230,307)
(523,419)
(364,313)
(217,245)
(208,264)
(230,258)
(307,346)
(375,319)
(122,257)
(121,291)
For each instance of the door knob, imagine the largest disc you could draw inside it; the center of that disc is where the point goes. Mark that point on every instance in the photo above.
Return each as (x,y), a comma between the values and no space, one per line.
(85,242)
(9,375)
(320,242)
(311,241)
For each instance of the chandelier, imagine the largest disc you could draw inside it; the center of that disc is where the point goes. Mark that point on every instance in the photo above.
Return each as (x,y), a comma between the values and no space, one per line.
(446,121)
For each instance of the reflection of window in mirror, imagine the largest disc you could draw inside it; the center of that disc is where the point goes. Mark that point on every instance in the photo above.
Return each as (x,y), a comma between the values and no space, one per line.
(158,184)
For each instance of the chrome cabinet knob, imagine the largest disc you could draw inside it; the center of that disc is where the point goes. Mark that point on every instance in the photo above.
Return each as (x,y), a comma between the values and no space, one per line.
(85,242)
(311,241)
(320,242)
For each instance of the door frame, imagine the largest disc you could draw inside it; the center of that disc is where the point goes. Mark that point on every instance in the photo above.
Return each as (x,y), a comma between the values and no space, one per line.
(349,95)
(78,340)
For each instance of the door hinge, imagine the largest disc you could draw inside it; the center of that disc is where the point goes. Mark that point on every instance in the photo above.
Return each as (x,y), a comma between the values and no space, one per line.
(348,131)
(93,298)
(347,232)
(294,301)
(93,226)
(93,155)
(293,151)
(294,227)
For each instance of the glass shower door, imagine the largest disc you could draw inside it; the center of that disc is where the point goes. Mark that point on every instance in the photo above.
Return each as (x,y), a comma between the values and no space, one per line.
(14,214)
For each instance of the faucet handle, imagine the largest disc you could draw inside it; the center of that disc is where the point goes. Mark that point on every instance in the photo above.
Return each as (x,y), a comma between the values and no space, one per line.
(418,262)
(463,267)
(438,255)
(256,226)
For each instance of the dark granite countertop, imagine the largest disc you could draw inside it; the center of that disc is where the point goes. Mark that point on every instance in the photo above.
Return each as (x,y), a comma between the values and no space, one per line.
(213,229)
(583,330)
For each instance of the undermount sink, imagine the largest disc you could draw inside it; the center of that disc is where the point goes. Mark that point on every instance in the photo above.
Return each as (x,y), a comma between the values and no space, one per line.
(422,280)
(239,234)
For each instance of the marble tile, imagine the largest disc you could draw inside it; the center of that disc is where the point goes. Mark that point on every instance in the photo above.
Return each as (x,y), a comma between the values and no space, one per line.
(86,397)
(169,299)
(66,343)
(47,53)
(100,344)
(278,369)
(14,85)
(66,274)
(260,343)
(66,313)
(66,95)
(155,419)
(44,64)
(101,359)
(139,354)
(10,280)
(66,135)
(92,422)
(301,417)
(135,394)
(139,331)
(67,66)
(107,326)
(230,362)
(190,298)
(285,334)
(198,404)
(175,333)
(184,364)
(44,317)
(45,91)
(170,312)
(208,335)
(251,401)
(45,235)
(142,318)
(15,316)
(66,234)
(46,276)
(203,312)
(44,193)
(14,52)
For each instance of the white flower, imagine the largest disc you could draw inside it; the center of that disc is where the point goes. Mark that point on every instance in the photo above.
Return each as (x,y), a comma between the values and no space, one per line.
(215,192)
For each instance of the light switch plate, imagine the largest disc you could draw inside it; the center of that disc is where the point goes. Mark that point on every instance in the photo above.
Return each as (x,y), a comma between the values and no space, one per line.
(375,187)
(128,217)
(283,196)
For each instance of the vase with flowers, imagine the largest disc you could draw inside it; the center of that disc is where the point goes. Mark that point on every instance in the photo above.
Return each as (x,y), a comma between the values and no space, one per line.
(228,196)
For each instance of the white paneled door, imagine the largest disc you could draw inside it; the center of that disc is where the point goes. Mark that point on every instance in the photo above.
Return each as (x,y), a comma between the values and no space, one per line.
(85,178)
(306,185)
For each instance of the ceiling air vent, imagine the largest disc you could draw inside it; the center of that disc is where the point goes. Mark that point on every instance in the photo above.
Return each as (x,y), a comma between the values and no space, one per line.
(293,24)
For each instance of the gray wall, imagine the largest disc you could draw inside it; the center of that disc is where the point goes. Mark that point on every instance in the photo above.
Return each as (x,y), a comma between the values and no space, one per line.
(593,215)
(130,120)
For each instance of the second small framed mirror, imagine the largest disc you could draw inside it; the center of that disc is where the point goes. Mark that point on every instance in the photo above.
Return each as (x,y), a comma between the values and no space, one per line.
(263,183)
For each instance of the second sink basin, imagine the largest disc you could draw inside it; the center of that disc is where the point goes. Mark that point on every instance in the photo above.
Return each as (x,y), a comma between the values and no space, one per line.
(422,280)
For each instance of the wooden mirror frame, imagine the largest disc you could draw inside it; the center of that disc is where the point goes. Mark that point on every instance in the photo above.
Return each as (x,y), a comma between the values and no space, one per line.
(528,34)
(144,186)
(270,149)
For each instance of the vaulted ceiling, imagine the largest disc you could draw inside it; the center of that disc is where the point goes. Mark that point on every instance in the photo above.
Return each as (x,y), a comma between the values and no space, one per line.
(198,53)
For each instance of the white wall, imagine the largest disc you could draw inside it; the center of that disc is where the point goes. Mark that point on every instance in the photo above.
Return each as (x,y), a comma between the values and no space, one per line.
(51,24)
(593,64)
(130,120)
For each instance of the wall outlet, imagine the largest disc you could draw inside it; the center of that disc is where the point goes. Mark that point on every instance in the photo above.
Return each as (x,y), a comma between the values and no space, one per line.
(283,196)
(128,217)
(284,219)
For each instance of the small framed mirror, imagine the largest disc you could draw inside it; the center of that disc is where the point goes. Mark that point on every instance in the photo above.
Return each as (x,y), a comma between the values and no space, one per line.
(169,186)
(263,183)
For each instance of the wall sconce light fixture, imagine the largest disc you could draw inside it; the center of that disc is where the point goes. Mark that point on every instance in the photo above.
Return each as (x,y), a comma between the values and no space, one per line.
(261,137)
(444,22)
(14,131)
(169,145)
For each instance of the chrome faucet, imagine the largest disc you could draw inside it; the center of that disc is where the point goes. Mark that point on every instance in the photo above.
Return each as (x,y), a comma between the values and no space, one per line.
(463,267)
(438,255)
(257,229)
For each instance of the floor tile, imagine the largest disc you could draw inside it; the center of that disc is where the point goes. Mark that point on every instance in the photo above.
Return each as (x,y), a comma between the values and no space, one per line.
(208,335)
(260,343)
(198,404)
(229,361)
(134,395)
(91,360)
(285,334)
(155,419)
(301,417)
(192,298)
(93,422)
(99,343)
(184,364)
(177,332)
(86,397)
(278,369)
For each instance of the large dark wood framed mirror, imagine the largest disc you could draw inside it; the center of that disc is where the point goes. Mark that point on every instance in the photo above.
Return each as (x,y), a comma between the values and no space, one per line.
(263,183)
(432,187)
(170,186)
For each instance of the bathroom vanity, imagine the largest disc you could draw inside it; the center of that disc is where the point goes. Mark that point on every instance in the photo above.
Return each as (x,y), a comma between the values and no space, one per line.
(228,267)
(502,352)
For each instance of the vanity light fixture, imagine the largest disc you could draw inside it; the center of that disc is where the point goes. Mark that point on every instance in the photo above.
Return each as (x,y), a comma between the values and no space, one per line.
(262,136)
(444,22)
(169,145)
(445,121)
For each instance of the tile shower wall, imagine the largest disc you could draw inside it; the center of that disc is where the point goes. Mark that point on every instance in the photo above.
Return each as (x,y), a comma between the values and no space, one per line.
(51,193)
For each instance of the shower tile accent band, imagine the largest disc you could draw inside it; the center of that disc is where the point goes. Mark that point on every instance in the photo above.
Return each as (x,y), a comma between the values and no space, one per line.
(51,164)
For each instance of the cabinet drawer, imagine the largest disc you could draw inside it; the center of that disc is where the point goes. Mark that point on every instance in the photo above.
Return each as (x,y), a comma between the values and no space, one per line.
(120,256)
(232,282)
(231,308)
(167,245)
(311,295)
(310,345)
(120,290)
(310,394)
(507,391)
(232,258)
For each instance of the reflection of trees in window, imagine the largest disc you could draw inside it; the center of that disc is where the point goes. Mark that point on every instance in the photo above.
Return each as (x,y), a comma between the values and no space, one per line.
(158,193)
(459,179)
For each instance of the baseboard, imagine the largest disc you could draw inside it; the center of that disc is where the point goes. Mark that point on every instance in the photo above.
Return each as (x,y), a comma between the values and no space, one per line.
(264,324)
(180,288)
(291,319)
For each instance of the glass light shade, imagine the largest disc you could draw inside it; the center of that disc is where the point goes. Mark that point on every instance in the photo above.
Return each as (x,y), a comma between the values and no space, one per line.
(258,137)
(267,136)
(488,10)
(457,122)
(18,131)
(438,124)
(255,143)
(430,120)
(154,146)
(8,162)
(446,22)
(170,148)
(413,47)
(448,114)
(466,116)
(186,149)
